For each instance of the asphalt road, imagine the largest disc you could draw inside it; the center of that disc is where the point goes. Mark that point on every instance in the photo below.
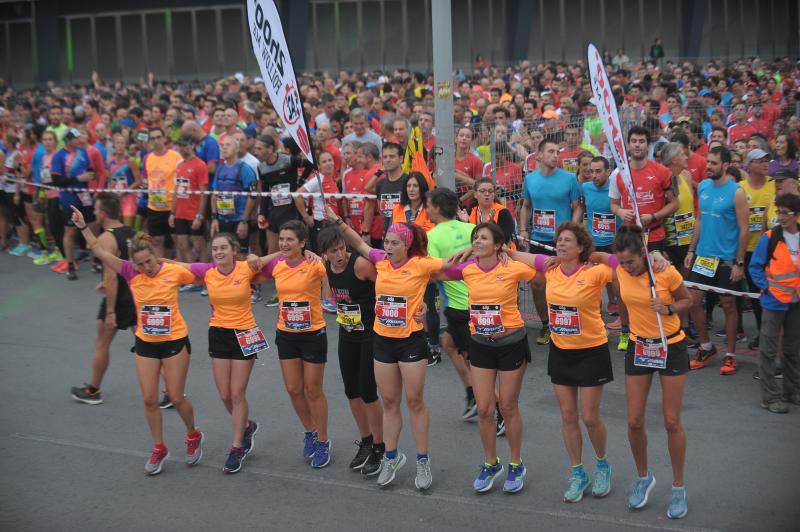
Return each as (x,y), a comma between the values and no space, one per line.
(68,466)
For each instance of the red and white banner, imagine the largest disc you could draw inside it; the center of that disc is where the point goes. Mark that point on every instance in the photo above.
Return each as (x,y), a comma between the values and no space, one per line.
(277,70)
(607,109)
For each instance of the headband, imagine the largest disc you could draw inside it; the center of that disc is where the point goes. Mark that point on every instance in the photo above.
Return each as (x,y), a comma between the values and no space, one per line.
(403,231)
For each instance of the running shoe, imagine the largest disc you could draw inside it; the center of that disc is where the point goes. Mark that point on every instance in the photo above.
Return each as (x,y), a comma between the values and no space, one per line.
(516,478)
(615,325)
(740,336)
(776,407)
(486,476)
(60,267)
(677,505)
(434,355)
(389,468)
(248,438)
(640,491)
(97,267)
(234,462)
(273,302)
(184,288)
(373,464)
(362,455)
(87,394)
(754,344)
(329,306)
(703,357)
(613,308)
(35,253)
(255,295)
(55,256)
(43,260)
(20,250)
(720,333)
(156,460)
(601,485)
(471,409)
(692,341)
(194,447)
(71,275)
(729,366)
(424,477)
(322,454)
(309,441)
(544,336)
(501,424)
(165,402)
(204,292)
(578,484)
(624,341)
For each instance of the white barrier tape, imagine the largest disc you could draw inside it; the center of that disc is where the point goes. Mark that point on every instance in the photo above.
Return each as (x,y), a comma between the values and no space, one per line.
(337,195)
(706,288)
(537,244)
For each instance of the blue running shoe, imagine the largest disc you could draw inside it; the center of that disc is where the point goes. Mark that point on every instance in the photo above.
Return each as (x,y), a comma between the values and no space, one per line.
(21,250)
(677,505)
(640,491)
(486,476)
(578,484)
(309,441)
(248,441)
(516,478)
(234,462)
(322,454)
(602,479)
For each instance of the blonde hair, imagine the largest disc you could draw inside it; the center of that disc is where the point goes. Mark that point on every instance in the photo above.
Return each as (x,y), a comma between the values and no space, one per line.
(141,241)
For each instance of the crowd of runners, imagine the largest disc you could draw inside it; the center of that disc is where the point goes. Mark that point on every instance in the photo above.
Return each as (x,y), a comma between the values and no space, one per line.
(168,188)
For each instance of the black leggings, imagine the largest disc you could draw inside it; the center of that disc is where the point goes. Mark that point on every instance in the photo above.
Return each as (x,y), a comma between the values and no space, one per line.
(358,369)
(753,302)
(55,222)
(432,318)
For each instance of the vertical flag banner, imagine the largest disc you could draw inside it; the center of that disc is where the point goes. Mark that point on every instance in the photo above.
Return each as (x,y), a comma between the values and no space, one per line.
(277,70)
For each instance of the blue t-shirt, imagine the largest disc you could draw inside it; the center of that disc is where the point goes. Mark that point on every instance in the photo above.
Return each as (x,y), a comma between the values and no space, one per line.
(69,166)
(208,149)
(719,229)
(36,163)
(600,221)
(552,198)
(101,147)
(237,178)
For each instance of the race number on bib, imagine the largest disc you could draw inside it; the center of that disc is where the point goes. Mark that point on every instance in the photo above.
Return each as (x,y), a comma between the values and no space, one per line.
(486,319)
(156,320)
(349,317)
(182,187)
(391,311)
(225,205)
(649,353)
(251,341)
(85,198)
(564,320)
(280,194)
(706,266)
(603,225)
(544,221)
(755,218)
(356,206)
(684,228)
(158,200)
(296,315)
(387,202)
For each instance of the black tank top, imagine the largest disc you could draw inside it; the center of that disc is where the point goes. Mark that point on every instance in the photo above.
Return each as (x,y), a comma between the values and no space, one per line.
(355,300)
(123,236)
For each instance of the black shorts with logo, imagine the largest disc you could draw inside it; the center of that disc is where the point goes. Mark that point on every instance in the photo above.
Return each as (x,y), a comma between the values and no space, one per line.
(502,358)
(393,350)
(311,346)
(222,343)
(585,367)
(161,350)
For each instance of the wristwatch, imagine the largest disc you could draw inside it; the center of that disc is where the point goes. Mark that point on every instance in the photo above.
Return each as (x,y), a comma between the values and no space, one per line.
(670,310)
(740,263)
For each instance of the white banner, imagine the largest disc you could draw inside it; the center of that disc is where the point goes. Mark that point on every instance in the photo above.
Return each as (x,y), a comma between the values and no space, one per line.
(607,109)
(272,53)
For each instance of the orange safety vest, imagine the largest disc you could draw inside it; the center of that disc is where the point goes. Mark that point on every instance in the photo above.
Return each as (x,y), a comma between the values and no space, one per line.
(496,208)
(422,221)
(783,274)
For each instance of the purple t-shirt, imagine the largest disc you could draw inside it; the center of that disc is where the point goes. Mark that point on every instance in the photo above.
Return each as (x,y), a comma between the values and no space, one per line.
(775,166)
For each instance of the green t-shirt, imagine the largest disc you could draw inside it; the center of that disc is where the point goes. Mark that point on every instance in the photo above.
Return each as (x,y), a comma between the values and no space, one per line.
(59,131)
(444,241)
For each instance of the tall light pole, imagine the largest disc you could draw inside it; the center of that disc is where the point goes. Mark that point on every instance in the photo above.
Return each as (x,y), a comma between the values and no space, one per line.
(441,26)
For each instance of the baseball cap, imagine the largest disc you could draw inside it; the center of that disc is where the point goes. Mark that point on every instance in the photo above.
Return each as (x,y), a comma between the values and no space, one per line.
(250,107)
(128,122)
(705,92)
(185,140)
(756,154)
(550,115)
(784,173)
(251,131)
(72,133)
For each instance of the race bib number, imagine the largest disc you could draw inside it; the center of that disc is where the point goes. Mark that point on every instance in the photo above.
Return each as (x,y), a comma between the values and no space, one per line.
(356,206)
(349,317)
(183,186)
(225,205)
(684,228)
(85,198)
(564,320)
(277,199)
(387,203)
(158,200)
(296,315)
(45,176)
(156,320)
(649,353)
(706,266)
(251,341)
(391,311)
(120,182)
(604,225)
(486,319)
(544,221)
(755,218)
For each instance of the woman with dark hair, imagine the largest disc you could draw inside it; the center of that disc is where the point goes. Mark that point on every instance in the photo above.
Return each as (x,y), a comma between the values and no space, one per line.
(411,207)
(785,155)
(403,269)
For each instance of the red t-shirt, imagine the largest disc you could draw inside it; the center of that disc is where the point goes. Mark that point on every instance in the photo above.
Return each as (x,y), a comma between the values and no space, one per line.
(737,132)
(189,176)
(651,184)
(697,165)
(353,182)
(509,177)
(762,127)
(99,167)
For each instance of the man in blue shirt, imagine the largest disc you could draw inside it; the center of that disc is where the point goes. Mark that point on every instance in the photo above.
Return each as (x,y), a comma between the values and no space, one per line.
(552,196)
(207,148)
(231,212)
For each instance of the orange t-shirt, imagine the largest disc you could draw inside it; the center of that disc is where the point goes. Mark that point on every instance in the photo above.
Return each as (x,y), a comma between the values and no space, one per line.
(573,305)
(422,221)
(158,317)
(635,293)
(399,291)
(299,290)
(160,175)
(493,301)
(229,294)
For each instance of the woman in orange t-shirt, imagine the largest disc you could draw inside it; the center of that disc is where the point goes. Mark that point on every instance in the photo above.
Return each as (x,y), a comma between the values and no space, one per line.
(403,269)
(162,337)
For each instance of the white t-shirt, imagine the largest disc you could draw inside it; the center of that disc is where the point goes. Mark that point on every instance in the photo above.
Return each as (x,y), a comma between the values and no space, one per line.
(318,208)
(792,241)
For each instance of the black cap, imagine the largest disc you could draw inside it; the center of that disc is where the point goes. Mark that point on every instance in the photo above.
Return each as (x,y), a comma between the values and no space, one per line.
(784,173)
(185,140)
(72,134)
